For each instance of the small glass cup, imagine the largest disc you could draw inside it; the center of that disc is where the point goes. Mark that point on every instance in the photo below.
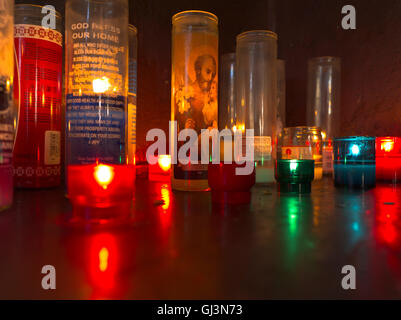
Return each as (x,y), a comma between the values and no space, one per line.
(355,162)
(388,159)
(302,143)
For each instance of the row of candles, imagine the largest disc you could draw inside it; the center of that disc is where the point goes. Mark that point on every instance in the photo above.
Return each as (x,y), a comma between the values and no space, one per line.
(100,98)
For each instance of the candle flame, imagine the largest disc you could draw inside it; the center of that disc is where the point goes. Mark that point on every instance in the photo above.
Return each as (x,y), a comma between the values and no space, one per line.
(103,259)
(103,175)
(164,162)
(387,146)
(101,85)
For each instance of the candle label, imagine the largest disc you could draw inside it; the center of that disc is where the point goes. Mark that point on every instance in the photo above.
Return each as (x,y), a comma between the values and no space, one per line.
(262,147)
(96,99)
(6,142)
(96,129)
(37,91)
(302,153)
(195,94)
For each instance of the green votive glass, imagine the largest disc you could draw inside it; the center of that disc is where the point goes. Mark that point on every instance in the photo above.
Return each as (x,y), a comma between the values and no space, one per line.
(294,176)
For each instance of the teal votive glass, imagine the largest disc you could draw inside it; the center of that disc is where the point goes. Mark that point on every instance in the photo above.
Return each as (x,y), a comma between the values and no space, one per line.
(355,162)
(295,176)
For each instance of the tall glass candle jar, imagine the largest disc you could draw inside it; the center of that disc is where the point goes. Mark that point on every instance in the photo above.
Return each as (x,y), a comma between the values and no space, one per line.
(302,143)
(256,95)
(99,176)
(132,87)
(194,79)
(388,159)
(323,102)
(355,162)
(280,95)
(6,102)
(37,93)
(227,98)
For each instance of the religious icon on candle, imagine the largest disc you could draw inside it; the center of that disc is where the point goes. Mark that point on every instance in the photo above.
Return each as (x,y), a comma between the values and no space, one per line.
(194,87)
(6,102)
(100,170)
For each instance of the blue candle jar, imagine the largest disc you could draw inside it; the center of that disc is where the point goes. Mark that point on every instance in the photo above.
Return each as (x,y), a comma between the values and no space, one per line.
(355,162)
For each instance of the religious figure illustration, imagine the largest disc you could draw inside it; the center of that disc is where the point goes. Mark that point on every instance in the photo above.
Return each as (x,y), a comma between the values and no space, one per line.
(196,103)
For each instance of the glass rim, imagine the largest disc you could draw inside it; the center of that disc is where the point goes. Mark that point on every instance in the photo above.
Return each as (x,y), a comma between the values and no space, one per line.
(206,14)
(229,55)
(303,128)
(354,138)
(325,59)
(25,5)
(264,33)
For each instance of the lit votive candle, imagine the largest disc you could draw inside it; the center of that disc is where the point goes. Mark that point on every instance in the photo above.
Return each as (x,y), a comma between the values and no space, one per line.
(160,171)
(294,176)
(355,162)
(101,191)
(388,159)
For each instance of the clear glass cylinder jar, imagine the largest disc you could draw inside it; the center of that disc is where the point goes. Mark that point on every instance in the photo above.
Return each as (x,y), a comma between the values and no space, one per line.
(302,143)
(256,95)
(281,108)
(355,162)
(194,80)
(37,94)
(96,61)
(323,102)
(7,113)
(132,92)
(227,97)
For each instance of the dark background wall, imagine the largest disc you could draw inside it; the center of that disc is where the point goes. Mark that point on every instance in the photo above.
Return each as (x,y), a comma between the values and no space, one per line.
(371,54)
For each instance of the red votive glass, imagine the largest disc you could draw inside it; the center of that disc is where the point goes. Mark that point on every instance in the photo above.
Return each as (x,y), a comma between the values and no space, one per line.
(388,159)
(101,191)
(161,170)
(228,187)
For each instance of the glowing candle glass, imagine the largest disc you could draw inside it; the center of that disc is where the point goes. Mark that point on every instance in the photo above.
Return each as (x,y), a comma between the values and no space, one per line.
(229,186)
(39,54)
(355,162)
(161,170)
(302,143)
(388,159)
(194,80)
(294,176)
(100,173)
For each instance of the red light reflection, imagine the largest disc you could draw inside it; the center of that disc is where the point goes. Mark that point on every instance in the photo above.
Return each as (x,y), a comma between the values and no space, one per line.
(103,261)
(387,230)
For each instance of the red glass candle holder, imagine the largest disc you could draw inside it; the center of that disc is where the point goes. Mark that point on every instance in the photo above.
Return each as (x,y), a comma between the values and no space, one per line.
(228,187)
(101,191)
(388,159)
(161,170)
